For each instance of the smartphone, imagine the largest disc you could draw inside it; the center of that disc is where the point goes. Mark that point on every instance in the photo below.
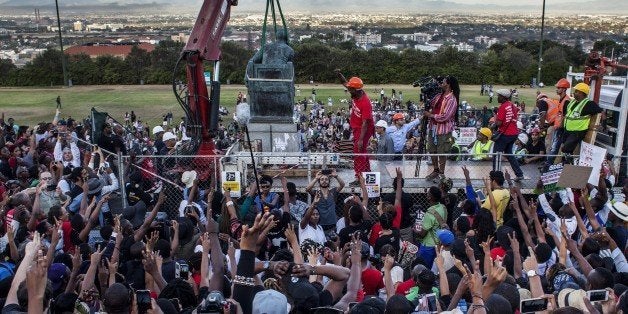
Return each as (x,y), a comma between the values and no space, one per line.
(326,172)
(480,195)
(184,270)
(143,300)
(51,187)
(533,305)
(597,295)
(431,303)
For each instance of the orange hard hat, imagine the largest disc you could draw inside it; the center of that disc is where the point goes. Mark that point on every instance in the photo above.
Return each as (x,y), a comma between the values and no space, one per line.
(563,83)
(355,82)
(398,116)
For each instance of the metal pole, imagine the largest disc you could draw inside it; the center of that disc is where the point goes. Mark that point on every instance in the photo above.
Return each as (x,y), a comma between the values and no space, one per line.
(121,178)
(248,139)
(538,75)
(63,66)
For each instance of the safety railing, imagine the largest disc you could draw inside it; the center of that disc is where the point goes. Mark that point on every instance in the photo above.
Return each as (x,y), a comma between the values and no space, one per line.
(174,173)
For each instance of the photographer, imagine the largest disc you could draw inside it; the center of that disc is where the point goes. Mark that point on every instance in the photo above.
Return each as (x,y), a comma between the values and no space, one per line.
(442,118)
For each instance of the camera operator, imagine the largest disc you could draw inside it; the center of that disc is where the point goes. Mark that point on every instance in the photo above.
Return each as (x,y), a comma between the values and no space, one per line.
(442,117)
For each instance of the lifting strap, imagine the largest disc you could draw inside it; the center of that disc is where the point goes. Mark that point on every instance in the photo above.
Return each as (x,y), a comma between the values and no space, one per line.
(270,4)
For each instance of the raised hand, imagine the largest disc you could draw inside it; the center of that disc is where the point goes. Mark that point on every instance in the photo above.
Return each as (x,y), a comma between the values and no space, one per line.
(531,263)
(290,234)
(250,235)
(312,256)
(486,246)
(514,243)
(440,260)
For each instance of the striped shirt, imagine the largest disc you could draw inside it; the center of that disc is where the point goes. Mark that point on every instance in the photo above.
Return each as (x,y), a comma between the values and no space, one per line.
(443,120)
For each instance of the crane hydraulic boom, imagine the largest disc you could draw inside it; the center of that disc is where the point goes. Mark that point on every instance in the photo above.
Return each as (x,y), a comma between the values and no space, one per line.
(200,104)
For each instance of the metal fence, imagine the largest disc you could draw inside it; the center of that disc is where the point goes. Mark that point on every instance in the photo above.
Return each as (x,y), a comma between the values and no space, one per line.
(173,173)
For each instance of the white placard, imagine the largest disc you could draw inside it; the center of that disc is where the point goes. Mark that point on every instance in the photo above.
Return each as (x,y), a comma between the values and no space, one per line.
(466,136)
(592,156)
(371,180)
(231,182)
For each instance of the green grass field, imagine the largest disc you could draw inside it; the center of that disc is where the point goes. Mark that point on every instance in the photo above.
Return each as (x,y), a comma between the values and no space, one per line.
(29,106)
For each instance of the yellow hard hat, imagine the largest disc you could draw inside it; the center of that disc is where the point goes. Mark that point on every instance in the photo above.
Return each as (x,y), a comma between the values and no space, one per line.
(582,87)
(486,132)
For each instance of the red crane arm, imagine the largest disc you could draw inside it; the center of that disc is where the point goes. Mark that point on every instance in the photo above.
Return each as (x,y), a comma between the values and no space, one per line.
(204,44)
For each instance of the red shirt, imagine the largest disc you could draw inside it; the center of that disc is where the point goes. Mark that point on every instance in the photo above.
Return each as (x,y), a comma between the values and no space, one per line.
(375,230)
(404,287)
(508,114)
(361,110)
(68,246)
(372,281)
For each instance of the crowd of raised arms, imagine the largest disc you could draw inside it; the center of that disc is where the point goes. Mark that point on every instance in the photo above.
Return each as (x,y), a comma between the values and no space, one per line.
(69,246)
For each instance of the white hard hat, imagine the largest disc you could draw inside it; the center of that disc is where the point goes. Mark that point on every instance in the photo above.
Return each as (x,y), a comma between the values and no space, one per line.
(523,138)
(381,124)
(157,129)
(169,136)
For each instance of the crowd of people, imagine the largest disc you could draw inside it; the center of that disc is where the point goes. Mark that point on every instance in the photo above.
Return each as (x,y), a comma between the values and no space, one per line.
(68,246)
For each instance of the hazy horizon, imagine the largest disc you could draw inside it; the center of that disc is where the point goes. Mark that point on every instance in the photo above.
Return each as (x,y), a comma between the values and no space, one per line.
(359,6)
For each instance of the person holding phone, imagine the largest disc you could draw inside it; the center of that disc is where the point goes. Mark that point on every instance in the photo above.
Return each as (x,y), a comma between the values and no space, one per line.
(326,207)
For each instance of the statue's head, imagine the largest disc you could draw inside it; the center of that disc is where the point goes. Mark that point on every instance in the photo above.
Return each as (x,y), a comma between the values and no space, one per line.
(282,35)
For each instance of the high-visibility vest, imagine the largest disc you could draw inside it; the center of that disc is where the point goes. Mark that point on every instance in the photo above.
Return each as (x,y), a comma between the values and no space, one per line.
(573,120)
(480,150)
(554,114)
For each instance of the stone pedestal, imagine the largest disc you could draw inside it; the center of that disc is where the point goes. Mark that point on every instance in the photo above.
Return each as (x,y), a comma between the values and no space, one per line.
(276,137)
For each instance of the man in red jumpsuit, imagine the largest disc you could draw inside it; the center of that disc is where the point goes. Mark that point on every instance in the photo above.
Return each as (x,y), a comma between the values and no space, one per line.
(361,122)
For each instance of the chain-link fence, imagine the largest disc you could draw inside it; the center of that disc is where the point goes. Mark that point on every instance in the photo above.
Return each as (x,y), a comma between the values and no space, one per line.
(174,173)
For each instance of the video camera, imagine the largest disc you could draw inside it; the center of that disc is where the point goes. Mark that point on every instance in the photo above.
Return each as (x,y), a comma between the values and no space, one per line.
(430,87)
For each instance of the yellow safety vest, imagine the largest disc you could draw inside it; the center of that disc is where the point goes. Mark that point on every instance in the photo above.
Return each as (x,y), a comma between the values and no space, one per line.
(573,120)
(480,150)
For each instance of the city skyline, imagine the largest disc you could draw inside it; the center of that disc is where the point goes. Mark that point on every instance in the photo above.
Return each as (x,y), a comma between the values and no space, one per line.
(557,7)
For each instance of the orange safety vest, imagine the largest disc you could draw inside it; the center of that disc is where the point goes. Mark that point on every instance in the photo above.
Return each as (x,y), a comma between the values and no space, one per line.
(554,114)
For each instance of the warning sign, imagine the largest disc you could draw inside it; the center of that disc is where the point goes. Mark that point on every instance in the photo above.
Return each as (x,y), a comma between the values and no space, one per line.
(231,183)
(371,180)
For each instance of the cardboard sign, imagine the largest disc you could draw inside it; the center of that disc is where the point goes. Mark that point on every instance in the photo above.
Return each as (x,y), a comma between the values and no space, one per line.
(574,176)
(466,136)
(371,180)
(231,182)
(592,156)
(551,177)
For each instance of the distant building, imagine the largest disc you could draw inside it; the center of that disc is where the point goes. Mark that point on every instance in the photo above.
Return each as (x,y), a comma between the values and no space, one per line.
(117,50)
(103,27)
(393,46)
(21,58)
(464,47)
(181,37)
(368,39)
(418,37)
(427,47)
(78,26)
(485,40)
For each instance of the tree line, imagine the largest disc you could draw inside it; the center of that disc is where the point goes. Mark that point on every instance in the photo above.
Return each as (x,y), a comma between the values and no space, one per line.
(509,63)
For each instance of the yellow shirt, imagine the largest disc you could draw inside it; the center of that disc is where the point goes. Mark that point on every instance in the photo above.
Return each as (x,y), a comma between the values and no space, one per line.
(502,197)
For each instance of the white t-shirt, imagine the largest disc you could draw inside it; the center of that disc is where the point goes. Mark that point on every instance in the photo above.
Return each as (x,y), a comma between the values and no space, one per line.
(317,235)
